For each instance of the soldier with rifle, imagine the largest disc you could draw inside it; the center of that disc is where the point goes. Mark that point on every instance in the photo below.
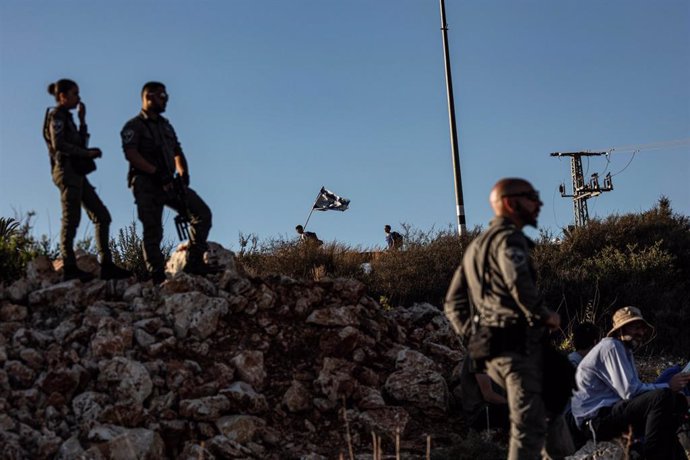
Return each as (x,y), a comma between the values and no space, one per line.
(159,176)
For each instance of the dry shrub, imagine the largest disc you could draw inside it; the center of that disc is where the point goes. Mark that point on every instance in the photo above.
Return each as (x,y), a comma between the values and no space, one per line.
(302,260)
(421,272)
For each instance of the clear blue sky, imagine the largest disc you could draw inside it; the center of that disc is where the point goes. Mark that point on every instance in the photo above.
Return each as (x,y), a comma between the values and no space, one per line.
(273,99)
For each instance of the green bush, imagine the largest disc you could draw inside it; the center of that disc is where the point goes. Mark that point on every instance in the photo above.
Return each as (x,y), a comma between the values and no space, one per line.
(633,259)
(18,247)
(13,257)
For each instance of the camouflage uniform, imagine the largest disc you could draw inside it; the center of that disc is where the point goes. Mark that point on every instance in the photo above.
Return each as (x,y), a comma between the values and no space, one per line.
(69,160)
(500,281)
(156,141)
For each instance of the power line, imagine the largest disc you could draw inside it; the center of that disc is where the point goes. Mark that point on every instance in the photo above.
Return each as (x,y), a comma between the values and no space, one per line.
(626,166)
(663,145)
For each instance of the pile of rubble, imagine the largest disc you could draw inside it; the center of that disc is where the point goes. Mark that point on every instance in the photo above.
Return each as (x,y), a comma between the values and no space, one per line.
(221,367)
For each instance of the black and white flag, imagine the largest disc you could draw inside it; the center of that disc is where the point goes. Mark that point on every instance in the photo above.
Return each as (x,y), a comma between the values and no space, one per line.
(329,201)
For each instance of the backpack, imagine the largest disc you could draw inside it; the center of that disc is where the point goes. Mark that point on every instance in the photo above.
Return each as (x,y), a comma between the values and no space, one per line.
(397,239)
(310,237)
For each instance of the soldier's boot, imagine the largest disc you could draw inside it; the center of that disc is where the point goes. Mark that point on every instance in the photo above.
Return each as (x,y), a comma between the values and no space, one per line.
(110,271)
(70,272)
(196,266)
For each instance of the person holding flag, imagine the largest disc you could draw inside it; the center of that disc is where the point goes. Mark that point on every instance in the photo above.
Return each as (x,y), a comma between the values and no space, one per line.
(325,201)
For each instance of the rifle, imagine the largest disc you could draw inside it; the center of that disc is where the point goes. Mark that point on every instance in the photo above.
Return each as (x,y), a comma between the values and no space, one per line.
(183,218)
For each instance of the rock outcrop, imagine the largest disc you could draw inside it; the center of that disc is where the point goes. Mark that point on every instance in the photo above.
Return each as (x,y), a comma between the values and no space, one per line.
(219,367)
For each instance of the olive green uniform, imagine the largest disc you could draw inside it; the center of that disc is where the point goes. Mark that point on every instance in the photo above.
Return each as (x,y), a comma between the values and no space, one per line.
(498,278)
(69,161)
(156,141)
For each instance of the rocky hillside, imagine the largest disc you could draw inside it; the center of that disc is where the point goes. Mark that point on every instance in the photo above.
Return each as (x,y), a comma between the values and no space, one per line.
(224,367)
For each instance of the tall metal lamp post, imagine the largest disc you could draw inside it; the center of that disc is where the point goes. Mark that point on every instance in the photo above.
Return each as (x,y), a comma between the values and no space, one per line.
(459,201)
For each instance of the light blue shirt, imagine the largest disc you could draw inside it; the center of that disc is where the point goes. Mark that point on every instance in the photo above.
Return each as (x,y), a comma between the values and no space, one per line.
(606,375)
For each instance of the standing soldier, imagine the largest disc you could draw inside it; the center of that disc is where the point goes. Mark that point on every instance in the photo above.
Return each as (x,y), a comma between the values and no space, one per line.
(497,279)
(71,160)
(154,156)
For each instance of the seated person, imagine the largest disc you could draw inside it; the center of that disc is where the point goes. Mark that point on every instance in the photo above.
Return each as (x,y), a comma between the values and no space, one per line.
(585,336)
(610,396)
(483,402)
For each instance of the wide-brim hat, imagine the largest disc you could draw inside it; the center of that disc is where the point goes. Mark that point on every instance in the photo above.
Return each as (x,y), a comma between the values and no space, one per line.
(627,315)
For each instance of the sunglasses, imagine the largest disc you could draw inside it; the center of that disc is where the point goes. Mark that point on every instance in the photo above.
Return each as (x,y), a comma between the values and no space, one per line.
(531,195)
(161,94)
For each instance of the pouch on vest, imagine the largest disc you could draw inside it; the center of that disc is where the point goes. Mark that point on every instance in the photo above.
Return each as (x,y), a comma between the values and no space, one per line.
(82,165)
(488,342)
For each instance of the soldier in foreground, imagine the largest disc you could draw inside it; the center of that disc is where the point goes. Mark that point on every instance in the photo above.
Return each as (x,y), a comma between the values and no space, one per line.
(497,279)
(71,160)
(155,157)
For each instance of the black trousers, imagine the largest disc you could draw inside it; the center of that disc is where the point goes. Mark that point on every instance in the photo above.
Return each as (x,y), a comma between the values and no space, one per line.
(150,200)
(76,192)
(655,414)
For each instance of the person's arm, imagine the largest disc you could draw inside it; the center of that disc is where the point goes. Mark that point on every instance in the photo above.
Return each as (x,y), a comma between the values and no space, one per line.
(679,381)
(457,303)
(181,164)
(131,138)
(57,129)
(138,161)
(487,389)
(621,373)
(83,127)
(513,260)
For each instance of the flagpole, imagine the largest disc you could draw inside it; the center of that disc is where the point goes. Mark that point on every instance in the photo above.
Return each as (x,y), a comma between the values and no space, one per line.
(312,207)
(459,201)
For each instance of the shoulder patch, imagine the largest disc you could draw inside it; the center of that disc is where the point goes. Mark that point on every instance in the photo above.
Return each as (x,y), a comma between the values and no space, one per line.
(516,255)
(127,135)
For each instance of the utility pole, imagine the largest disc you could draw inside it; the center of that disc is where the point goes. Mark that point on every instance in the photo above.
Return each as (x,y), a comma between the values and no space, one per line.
(583,191)
(459,201)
